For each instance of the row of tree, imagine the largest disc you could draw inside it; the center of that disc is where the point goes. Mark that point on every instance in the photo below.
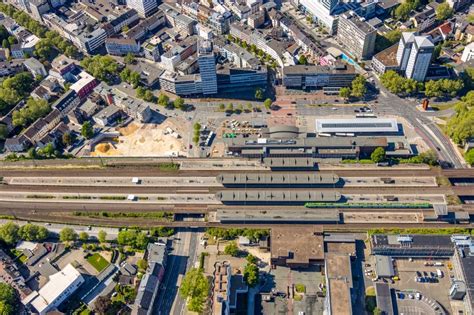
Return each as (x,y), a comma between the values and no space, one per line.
(11,233)
(232,233)
(50,39)
(34,109)
(264,57)
(402,86)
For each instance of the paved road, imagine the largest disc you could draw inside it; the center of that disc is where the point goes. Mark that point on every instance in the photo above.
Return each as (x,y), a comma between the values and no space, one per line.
(180,260)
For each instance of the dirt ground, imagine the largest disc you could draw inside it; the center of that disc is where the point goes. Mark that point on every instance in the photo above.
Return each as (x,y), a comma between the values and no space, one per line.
(145,140)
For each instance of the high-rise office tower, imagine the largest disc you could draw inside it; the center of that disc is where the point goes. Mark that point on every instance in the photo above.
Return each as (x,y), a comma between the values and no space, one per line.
(144,8)
(207,67)
(420,58)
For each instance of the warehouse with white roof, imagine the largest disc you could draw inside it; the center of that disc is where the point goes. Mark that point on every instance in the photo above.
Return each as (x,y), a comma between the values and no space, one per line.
(357,126)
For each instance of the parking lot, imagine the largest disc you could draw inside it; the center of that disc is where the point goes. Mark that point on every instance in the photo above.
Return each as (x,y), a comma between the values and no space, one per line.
(407,272)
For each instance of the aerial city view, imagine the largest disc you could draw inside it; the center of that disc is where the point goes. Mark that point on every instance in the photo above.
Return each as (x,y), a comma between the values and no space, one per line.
(237,157)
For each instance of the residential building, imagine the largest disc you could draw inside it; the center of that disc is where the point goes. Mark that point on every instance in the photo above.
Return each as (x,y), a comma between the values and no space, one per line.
(157,255)
(145,8)
(61,68)
(16,51)
(10,274)
(207,67)
(356,35)
(107,116)
(59,287)
(35,67)
(133,107)
(84,85)
(221,288)
(468,53)
(8,68)
(420,58)
(69,101)
(404,49)
(385,60)
(146,26)
(153,49)
(302,77)
(38,8)
(125,19)
(122,46)
(425,20)
(457,4)
(17,144)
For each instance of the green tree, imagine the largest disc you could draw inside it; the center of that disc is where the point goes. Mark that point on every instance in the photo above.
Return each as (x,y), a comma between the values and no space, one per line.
(134,79)
(221,107)
(443,12)
(9,233)
(149,96)
(302,60)
(378,155)
(230,108)
(67,235)
(8,299)
(87,131)
(33,233)
(5,43)
(48,150)
(125,74)
(345,93)
(359,88)
(267,103)
(83,236)
(259,94)
(102,236)
(129,58)
(142,264)
(377,311)
(104,68)
(195,289)
(251,274)
(429,157)
(232,249)
(178,103)
(34,109)
(163,99)
(251,259)
(469,157)
(197,126)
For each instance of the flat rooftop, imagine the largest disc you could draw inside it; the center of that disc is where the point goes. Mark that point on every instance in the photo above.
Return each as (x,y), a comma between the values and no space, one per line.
(412,241)
(303,244)
(289,216)
(388,57)
(278,196)
(277,178)
(339,282)
(357,125)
